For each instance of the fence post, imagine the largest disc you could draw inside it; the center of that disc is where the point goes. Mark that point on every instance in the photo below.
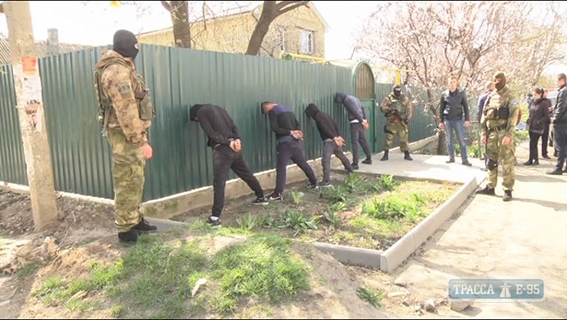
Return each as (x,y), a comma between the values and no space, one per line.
(27,83)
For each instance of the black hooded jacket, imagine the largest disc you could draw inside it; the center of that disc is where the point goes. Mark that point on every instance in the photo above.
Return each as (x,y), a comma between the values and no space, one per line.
(216,122)
(327,127)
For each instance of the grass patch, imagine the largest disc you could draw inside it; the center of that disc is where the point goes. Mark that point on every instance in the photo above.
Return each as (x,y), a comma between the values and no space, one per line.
(28,269)
(155,279)
(370,295)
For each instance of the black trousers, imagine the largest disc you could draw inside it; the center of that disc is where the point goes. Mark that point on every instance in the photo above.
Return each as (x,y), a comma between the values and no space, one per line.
(225,159)
(358,136)
(291,150)
(544,141)
(534,139)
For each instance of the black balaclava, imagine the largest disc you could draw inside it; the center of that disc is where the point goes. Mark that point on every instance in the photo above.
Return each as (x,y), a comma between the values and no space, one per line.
(125,44)
(397,90)
(500,85)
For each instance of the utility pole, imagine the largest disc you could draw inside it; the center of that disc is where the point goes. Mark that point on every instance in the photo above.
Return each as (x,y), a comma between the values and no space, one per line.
(31,114)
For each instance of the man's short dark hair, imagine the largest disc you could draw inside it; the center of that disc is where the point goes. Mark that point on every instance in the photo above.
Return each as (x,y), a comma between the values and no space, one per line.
(264,104)
(562,76)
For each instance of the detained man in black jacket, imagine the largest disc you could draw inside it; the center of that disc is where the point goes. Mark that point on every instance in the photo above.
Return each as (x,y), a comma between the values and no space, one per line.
(332,142)
(288,136)
(225,142)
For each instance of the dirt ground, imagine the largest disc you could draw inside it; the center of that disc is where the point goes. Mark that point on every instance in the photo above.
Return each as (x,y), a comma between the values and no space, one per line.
(87,232)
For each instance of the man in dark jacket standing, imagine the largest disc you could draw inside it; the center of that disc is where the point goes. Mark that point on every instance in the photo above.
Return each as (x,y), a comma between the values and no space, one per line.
(358,124)
(559,122)
(455,107)
(332,142)
(224,139)
(288,136)
(480,107)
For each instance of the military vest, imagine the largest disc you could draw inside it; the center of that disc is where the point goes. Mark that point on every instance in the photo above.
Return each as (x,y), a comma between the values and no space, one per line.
(498,108)
(146,110)
(397,103)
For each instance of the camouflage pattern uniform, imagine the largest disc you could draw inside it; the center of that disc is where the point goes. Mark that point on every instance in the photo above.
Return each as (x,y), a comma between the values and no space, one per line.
(125,127)
(499,119)
(398,110)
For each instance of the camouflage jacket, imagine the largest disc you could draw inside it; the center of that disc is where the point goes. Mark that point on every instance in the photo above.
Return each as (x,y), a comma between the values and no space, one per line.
(402,105)
(500,111)
(126,92)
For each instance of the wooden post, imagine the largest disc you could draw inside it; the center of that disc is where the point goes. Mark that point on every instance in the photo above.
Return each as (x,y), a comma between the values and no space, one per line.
(31,114)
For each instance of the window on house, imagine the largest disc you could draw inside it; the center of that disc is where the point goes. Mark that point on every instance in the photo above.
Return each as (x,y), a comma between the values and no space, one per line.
(282,40)
(306,42)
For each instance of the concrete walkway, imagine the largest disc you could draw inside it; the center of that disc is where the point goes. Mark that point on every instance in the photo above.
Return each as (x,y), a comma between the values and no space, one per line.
(521,239)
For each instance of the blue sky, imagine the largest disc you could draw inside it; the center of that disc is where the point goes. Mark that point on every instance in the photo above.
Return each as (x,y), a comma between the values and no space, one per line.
(94,23)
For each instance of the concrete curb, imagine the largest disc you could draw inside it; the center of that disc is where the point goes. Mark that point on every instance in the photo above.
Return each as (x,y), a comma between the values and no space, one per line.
(411,241)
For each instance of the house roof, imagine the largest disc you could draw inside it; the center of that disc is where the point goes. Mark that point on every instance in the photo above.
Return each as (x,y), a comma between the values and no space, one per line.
(311,5)
(41,49)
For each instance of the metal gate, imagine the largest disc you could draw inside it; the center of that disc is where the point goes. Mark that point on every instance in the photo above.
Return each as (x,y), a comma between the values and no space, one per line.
(365,91)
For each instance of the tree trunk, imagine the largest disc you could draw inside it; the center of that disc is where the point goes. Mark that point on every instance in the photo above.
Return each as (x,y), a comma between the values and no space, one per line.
(180,20)
(262,27)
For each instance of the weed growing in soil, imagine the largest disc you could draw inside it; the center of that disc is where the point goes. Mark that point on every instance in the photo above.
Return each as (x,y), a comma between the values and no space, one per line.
(370,295)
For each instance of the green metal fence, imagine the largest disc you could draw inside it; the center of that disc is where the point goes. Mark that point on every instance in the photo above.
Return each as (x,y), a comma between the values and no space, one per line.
(178,78)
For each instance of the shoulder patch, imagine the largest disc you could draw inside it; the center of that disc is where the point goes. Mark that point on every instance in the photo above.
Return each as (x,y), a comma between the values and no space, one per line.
(124,88)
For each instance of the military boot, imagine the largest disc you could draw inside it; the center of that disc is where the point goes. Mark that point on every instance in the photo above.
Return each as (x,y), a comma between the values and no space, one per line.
(507,195)
(385,156)
(130,236)
(407,156)
(487,190)
(144,227)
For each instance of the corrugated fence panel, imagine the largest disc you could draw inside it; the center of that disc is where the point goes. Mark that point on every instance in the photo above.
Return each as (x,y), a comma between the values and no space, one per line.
(80,156)
(178,78)
(12,163)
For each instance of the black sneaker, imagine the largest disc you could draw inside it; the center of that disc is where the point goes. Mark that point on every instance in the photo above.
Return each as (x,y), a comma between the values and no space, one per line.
(275,197)
(507,195)
(324,184)
(467,163)
(261,201)
(367,161)
(546,157)
(354,166)
(487,190)
(450,160)
(555,172)
(215,222)
(130,236)
(145,227)
(312,186)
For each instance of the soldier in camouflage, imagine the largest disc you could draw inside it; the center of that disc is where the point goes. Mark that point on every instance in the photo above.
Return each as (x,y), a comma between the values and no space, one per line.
(498,125)
(397,109)
(125,113)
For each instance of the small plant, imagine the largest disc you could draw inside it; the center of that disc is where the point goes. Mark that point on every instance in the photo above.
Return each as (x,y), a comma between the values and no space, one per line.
(393,208)
(335,194)
(268,222)
(332,215)
(388,182)
(296,197)
(370,295)
(295,220)
(353,182)
(249,222)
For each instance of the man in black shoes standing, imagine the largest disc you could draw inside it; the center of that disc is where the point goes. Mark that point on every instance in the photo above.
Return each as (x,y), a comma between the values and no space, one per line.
(358,124)
(332,142)
(224,139)
(397,109)
(289,147)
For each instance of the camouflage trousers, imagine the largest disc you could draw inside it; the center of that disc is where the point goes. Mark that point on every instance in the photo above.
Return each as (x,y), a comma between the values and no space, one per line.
(393,129)
(128,168)
(496,154)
